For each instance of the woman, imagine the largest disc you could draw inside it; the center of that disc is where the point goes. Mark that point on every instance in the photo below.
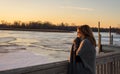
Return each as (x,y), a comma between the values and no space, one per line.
(85,54)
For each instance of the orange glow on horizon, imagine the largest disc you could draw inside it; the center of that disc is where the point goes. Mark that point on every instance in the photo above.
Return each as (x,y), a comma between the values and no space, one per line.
(56,22)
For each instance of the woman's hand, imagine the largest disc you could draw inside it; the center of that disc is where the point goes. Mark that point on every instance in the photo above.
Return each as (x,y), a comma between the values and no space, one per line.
(76,42)
(80,46)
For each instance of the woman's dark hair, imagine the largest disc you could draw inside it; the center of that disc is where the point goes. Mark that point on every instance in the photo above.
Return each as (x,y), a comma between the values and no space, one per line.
(87,32)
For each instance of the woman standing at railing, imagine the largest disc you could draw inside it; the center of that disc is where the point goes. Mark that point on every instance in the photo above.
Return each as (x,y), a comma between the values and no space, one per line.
(82,59)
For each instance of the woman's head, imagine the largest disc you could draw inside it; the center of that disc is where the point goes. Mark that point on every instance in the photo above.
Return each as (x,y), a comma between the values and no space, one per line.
(85,31)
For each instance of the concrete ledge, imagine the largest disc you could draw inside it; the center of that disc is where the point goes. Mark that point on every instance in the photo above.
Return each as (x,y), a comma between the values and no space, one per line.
(24,62)
(50,68)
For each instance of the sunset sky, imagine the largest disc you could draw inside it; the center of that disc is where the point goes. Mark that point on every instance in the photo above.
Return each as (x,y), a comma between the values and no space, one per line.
(68,11)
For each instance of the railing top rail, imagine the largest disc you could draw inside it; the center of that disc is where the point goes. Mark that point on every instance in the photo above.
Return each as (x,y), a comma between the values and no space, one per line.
(107,57)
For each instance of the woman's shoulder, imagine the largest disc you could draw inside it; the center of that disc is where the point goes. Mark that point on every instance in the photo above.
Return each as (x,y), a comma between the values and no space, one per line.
(87,41)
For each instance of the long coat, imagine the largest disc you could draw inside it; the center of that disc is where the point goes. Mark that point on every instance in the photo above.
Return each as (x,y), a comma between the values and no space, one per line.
(84,62)
(72,64)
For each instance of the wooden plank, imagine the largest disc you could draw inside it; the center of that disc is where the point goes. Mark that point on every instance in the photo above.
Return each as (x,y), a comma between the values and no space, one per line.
(111,67)
(119,67)
(96,69)
(104,68)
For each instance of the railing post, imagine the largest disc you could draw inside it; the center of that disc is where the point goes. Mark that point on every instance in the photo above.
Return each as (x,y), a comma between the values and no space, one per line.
(110,37)
(99,38)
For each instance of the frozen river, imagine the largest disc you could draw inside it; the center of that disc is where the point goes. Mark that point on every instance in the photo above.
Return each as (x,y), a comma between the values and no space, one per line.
(53,45)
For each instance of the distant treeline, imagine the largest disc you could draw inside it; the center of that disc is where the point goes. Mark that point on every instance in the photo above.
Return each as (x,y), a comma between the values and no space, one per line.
(17,25)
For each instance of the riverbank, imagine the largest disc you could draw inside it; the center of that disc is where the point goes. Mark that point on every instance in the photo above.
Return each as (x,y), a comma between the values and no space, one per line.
(38,30)
(46,30)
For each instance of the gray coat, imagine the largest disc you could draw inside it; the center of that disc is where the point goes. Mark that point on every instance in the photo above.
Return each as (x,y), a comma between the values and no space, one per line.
(84,62)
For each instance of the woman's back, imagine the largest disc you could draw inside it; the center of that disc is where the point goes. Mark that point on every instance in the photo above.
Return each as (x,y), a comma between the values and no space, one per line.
(87,56)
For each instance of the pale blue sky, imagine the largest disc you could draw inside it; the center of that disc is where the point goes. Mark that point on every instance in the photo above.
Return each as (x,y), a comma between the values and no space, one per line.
(67,11)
